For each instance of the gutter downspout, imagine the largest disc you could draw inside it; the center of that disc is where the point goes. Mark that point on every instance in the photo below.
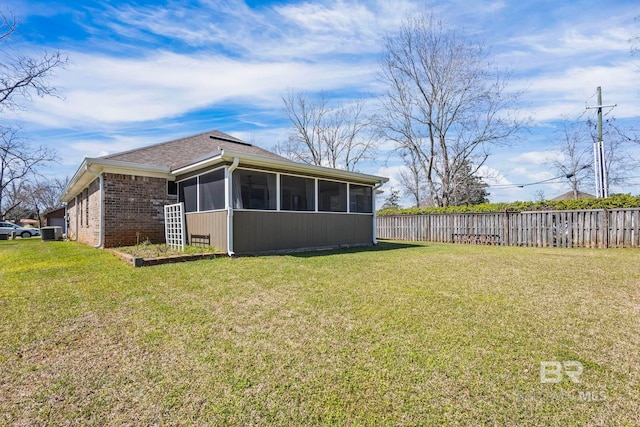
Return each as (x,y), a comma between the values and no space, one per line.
(373,202)
(76,207)
(101,228)
(230,170)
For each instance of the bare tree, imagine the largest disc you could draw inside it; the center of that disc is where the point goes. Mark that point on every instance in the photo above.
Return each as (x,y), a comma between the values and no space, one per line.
(19,163)
(20,77)
(443,102)
(576,162)
(412,179)
(335,136)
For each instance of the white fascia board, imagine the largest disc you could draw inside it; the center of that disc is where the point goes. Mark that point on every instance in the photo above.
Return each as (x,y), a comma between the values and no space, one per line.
(302,168)
(198,165)
(284,165)
(97,165)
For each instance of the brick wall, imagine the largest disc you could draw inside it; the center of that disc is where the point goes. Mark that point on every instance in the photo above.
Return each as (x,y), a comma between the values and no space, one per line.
(72,233)
(84,215)
(134,209)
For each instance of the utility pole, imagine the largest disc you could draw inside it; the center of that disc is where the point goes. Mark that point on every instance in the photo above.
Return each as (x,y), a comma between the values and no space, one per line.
(599,161)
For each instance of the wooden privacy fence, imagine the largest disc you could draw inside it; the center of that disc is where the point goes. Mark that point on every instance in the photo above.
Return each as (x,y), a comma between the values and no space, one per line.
(595,228)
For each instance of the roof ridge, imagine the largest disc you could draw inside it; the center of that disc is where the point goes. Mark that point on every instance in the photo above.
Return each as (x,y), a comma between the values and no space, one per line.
(213,134)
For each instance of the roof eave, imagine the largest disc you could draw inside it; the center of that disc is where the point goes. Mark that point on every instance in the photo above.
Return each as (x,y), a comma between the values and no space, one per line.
(254,160)
(91,167)
(303,167)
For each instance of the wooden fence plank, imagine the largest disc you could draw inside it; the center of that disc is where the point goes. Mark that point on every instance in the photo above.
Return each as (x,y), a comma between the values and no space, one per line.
(596,228)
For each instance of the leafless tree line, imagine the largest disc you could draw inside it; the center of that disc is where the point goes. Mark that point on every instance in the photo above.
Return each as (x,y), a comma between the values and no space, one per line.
(443,109)
(22,76)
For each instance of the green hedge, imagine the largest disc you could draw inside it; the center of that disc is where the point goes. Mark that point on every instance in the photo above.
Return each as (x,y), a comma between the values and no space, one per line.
(617,201)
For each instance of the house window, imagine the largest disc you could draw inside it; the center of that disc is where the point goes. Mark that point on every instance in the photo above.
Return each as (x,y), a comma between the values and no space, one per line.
(212,191)
(297,194)
(172,188)
(332,196)
(86,208)
(188,194)
(254,190)
(360,198)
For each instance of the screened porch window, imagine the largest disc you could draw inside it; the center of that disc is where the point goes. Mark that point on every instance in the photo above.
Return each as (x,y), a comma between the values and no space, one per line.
(360,198)
(332,196)
(297,194)
(212,191)
(188,193)
(254,190)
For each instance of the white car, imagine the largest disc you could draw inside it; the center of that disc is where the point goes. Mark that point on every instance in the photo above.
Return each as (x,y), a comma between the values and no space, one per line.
(8,227)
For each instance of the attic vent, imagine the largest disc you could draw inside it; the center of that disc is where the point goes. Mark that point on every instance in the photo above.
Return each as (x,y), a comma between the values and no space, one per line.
(235,141)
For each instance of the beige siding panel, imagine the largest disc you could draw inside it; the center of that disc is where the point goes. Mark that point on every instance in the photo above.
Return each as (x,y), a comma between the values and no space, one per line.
(261,231)
(212,223)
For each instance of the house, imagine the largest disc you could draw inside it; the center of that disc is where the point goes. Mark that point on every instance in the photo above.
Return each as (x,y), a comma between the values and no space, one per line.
(56,218)
(243,198)
(569,195)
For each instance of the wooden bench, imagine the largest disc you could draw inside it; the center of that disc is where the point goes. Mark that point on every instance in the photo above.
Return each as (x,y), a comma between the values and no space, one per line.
(200,240)
(476,239)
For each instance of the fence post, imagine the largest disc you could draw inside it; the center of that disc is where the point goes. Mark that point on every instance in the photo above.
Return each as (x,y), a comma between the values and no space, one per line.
(505,224)
(605,225)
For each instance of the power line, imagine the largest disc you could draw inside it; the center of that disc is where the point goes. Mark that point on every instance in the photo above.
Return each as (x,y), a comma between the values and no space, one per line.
(528,184)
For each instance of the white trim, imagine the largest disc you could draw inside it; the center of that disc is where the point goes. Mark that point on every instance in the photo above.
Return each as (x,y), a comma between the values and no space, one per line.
(199,212)
(228,199)
(100,178)
(278,195)
(317,196)
(242,168)
(81,179)
(373,209)
(229,190)
(304,212)
(207,172)
(286,165)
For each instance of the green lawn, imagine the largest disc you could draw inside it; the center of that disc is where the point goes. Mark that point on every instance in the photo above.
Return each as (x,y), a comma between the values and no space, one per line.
(427,334)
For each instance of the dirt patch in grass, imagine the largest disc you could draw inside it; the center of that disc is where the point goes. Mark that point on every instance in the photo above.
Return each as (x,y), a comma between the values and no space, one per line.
(148,250)
(145,255)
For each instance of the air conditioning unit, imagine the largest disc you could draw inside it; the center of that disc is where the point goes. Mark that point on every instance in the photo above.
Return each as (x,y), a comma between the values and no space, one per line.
(51,233)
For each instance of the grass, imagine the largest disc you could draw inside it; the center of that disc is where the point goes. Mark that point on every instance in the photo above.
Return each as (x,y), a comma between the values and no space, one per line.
(425,334)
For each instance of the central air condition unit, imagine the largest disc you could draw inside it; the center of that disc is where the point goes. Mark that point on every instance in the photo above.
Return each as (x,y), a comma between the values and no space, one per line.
(51,233)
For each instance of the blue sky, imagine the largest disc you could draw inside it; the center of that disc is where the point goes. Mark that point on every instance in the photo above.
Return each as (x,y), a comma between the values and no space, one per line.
(150,71)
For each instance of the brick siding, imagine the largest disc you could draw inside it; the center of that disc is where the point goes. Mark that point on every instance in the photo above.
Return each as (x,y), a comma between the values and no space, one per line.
(133,211)
(84,215)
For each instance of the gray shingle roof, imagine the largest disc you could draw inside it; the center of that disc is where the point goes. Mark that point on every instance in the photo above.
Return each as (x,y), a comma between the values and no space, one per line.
(185,151)
(569,196)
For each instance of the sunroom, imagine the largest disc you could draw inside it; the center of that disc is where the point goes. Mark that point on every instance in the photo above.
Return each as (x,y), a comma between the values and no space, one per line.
(249,204)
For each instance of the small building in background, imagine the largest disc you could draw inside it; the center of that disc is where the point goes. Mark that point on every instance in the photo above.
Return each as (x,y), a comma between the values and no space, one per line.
(56,218)
(570,196)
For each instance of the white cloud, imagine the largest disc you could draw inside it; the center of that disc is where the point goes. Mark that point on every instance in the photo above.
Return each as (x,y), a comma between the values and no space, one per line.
(537,157)
(101,89)
(295,31)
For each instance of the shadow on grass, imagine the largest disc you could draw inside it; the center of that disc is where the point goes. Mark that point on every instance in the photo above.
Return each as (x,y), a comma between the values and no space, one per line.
(381,246)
